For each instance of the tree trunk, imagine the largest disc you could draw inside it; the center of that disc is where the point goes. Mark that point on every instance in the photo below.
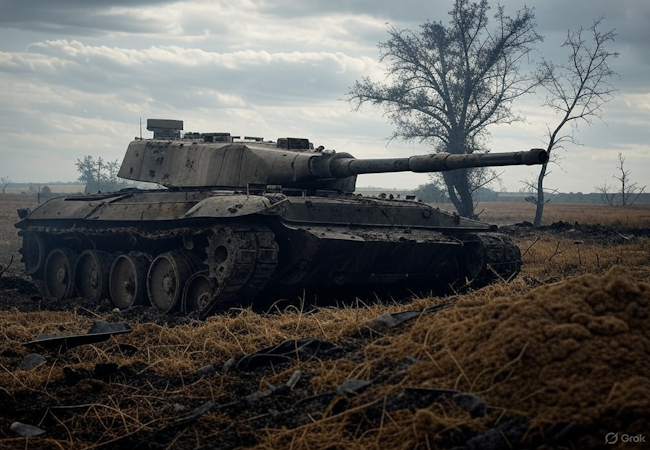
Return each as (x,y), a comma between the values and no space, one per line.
(540,196)
(459,193)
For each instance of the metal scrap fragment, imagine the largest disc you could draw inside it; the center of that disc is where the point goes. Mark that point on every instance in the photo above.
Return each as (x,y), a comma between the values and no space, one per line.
(26,430)
(303,349)
(99,332)
(249,399)
(353,386)
(391,320)
(32,361)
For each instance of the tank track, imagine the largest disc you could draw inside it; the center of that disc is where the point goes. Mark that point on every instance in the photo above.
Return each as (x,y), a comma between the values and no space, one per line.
(501,259)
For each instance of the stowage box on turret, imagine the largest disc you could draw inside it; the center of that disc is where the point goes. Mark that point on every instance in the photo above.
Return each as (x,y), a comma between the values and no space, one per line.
(237,219)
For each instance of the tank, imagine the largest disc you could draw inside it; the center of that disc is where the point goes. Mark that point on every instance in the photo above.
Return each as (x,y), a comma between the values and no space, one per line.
(238,220)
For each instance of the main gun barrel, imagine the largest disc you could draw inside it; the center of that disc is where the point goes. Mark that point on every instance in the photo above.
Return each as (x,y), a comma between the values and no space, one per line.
(440,162)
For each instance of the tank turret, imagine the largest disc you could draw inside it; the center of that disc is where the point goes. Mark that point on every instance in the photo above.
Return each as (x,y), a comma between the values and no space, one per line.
(201,160)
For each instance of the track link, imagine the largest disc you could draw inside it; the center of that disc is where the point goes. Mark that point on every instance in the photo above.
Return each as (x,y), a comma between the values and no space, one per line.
(502,258)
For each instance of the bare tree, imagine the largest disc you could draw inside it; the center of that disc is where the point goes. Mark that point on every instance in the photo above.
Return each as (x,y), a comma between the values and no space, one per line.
(629,192)
(575,90)
(606,194)
(4,182)
(449,83)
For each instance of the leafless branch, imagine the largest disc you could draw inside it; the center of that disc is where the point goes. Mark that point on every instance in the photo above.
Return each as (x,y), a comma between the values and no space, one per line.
(556,252)
(4,182)
(629,192)
(3,269)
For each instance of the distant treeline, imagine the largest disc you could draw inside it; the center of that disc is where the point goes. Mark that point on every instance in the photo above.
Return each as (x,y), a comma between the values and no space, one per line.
(49,183)
(560,197)
(433,194)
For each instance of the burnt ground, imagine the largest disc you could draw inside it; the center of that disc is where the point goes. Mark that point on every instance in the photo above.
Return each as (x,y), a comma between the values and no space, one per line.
(228,399)
(586,233)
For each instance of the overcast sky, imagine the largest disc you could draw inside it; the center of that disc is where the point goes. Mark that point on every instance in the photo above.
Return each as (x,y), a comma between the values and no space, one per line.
(76,77)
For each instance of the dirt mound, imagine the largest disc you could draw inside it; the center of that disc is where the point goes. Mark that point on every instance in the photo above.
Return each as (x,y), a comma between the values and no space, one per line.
(573,352)
(561,366)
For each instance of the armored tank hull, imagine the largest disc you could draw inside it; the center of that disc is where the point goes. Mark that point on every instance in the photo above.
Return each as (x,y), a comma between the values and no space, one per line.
(206,250)
(238,222)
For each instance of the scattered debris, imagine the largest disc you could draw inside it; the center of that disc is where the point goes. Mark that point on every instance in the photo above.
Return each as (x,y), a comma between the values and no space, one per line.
(99,332)
(302,349)
(206,370)
(26,430)
(32,361)
(353,386)
(248,399)
(392,320)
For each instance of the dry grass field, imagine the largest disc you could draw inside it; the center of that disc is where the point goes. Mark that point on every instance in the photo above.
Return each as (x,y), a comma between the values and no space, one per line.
(505,213)
(556,358)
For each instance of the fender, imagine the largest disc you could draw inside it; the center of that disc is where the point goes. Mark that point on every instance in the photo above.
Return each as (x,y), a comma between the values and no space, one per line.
(226,206)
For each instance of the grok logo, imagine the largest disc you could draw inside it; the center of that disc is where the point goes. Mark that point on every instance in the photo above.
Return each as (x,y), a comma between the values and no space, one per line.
(613,438)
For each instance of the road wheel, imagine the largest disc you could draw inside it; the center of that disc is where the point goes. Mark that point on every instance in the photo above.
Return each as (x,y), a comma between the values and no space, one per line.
(91,274)
(34,253)
(167,277)
(128,280)
(198,293)
(59,273)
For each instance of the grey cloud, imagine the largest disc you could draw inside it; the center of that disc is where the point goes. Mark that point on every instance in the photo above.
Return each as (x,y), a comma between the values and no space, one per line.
(628,18)
(270,79)
(390,10)
(75,17)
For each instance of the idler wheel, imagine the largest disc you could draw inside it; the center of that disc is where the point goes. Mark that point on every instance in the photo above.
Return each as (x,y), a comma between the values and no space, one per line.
(167,277)
(198,293)
(91,274)
(59,273)
(128,280)
(33,251)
